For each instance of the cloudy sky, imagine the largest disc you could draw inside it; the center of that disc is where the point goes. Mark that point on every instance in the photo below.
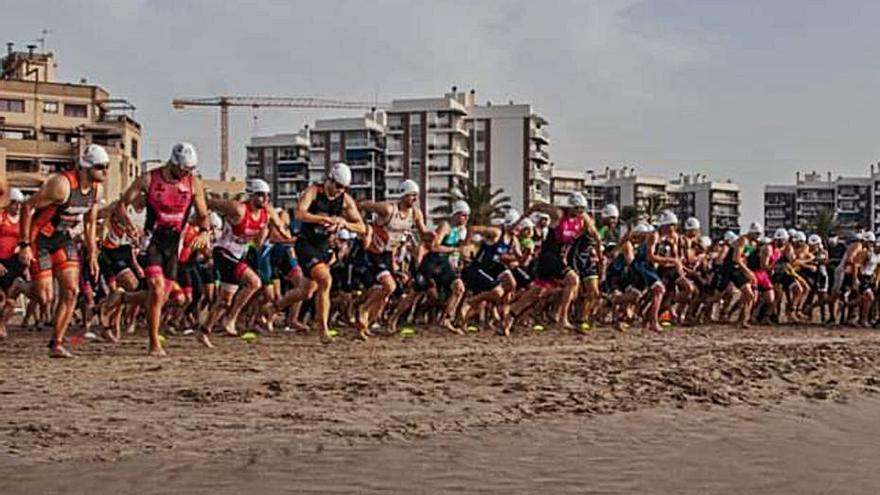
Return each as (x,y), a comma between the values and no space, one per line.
(746,90)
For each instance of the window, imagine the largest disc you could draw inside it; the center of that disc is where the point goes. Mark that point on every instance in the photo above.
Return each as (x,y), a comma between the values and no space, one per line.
(7,105)
(50,107)
(134,148)
(72,110)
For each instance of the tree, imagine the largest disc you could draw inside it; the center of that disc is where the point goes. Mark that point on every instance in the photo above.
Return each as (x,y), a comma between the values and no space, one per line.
(485,203)
(826,224)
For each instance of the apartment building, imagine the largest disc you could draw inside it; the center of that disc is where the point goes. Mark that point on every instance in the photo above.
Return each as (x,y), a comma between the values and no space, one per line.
(508,150)
(853,201)
(427,141)
(779,207)
(626,187)
(716,204)
(45,124)
(281,160)
(360,143)
(564,182)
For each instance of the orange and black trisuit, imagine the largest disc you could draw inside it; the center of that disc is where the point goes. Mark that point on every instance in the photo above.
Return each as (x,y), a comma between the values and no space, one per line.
(51,226)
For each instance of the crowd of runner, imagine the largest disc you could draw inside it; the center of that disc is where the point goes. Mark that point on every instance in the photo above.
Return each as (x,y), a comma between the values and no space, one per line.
(199,265)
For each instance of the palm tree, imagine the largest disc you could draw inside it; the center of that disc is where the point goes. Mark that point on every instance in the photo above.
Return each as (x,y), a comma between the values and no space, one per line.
(826,224)
(485,203)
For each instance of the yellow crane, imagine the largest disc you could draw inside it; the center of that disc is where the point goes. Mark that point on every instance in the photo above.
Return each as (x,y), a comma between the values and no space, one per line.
(224,102)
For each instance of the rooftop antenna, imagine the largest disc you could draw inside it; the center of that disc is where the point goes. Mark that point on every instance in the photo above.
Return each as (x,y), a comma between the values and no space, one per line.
(44,36)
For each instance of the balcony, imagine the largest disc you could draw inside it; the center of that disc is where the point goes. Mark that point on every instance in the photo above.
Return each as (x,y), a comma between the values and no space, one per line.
(848,196)
(540,156)
(395,150)
(448,126)
(292,177)
(725,200)
(443,150)
(775,215)
(446,170)
(362,143)
(292,159)
(540,135)
(395,129)
(816,199)
(539,176)
(362,165)
(34,148)
(394,171)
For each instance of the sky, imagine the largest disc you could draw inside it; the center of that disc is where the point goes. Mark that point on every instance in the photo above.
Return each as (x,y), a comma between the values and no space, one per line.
(750,91)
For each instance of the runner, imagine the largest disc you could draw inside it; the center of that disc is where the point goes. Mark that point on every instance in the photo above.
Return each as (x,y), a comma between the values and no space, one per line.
(12,270)
(45,240)
(322,210)
(170,191)
(488,275)
(246,228)
(437,273)
(552,270)
(393,224)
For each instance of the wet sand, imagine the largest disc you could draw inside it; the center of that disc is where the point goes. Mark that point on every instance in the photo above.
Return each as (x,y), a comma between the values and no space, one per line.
(783,410)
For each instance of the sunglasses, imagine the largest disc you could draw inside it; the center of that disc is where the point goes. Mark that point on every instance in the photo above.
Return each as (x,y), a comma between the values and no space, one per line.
(101,167)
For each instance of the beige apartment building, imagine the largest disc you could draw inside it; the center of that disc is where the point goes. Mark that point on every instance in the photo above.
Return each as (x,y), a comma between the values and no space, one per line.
(45,124)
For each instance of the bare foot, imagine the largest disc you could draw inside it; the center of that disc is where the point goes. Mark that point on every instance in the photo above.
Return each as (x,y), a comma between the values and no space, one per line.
(506,325)
(621,326)
(327,336)
(229,328)
(447,324)
(58,351)
(566,325)
(157,351)
(109,335)
(203,339)
(3,332)
(109,305)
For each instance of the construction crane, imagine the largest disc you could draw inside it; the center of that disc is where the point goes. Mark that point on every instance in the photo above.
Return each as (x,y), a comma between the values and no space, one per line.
(224,102)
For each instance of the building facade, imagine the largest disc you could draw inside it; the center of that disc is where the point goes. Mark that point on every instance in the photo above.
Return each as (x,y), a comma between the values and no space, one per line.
(716,204)
(281,160)
(45,124)
(427,141)
(853,201)
(508,144)
(360,143)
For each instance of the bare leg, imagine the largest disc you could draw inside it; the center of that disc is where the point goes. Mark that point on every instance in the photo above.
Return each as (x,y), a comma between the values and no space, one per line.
(251,284)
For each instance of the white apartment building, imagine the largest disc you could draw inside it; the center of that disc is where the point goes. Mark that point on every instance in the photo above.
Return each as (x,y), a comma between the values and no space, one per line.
(508,151)
(716,204)
(855,201)
(564,182)
(281,160)
(427,141)
(357,141)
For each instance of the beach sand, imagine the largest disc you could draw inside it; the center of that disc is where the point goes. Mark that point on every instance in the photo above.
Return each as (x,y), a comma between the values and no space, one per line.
(710,409)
